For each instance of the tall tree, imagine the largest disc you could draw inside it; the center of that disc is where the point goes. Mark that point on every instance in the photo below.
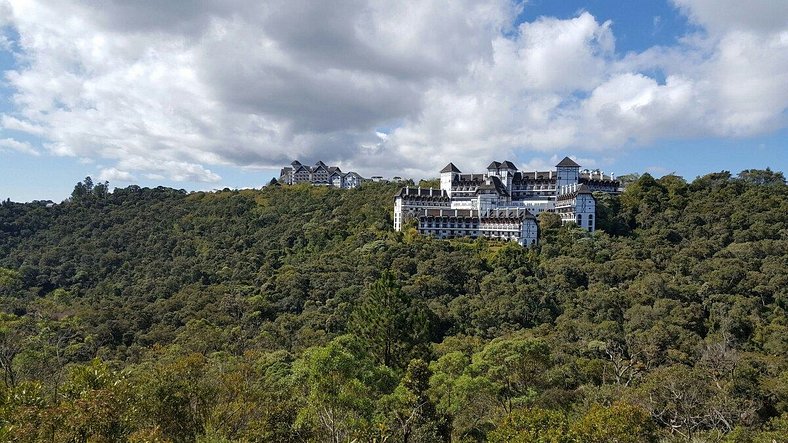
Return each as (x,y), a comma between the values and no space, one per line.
(393,325)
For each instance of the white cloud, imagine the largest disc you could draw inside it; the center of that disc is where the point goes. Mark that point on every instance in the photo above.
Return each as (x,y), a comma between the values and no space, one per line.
(16,145)
(724,16)
(173,89)
(113,175)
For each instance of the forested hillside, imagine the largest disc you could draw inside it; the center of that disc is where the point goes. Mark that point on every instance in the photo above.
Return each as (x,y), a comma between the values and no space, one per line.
(296,314)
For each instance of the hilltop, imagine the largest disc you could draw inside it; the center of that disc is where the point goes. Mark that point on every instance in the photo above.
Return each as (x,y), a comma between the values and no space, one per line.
(247,315)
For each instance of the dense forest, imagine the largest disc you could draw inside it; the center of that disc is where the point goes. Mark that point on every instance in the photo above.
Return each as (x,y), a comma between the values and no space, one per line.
(297,314)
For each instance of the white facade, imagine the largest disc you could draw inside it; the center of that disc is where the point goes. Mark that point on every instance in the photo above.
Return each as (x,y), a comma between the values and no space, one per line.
(508,225)
(503,201)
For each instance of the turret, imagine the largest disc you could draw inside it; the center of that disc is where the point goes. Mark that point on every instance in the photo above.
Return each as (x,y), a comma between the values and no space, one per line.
(448,174)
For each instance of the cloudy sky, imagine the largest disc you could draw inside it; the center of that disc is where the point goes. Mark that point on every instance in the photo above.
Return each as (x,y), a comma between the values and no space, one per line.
(214,93)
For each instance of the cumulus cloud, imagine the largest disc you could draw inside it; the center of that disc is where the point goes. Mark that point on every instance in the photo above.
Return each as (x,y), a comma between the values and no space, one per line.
(113,175)
(173,89)
(16,145)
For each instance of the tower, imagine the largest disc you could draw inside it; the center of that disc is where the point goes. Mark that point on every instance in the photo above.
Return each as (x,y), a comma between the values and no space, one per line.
(507,171)
(447,177)
(567,174)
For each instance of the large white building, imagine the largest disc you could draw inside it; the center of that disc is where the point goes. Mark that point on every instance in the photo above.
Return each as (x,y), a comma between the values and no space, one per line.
(502,203)
(320,174)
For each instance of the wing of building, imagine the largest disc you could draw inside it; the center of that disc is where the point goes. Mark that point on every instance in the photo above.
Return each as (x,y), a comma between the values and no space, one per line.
(502,202)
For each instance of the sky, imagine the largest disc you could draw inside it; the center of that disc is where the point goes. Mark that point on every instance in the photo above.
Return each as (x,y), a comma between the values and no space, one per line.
(209,94)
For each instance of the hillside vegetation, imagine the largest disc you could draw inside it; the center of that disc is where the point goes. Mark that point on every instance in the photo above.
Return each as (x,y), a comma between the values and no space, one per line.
(296,314)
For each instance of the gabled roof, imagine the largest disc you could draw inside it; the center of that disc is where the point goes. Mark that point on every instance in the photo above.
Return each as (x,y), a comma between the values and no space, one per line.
(494,165)
(567,162)
(320,163)
(499,186)
(450,168)
(296,163)
(333,169)
(508,165)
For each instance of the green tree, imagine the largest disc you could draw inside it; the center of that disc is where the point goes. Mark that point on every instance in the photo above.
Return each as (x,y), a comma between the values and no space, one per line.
(533,425)
(408,412)
(339,385)
(516,365)
(392,325)
(621,423)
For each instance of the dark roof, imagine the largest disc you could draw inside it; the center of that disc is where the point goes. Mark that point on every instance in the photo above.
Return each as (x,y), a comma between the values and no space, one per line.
(450,168)
(499,186)
(320,163)
(544,176)
(495,185)
(507,213)
(494,165)
(449,213)
(469,178)
(333,169)
(583,189)
(508,165)
(296,163)
(568,162)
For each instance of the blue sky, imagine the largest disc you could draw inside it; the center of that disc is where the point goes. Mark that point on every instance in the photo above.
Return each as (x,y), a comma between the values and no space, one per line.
(190,97)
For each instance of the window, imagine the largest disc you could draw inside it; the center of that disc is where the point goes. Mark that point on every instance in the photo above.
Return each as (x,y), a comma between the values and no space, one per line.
(579,220)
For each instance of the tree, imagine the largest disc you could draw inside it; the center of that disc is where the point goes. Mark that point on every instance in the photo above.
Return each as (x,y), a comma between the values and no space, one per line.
(338,385)
(621,423)
(175,396)
(532,425)
(408,412)
(516,365)
(13,340)
(392,325)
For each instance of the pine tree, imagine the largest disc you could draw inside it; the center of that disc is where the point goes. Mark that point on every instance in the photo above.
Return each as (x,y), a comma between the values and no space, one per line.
(390,323)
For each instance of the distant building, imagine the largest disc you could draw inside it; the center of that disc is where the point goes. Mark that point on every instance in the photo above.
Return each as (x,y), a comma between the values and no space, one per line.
(320,175)
(502,203)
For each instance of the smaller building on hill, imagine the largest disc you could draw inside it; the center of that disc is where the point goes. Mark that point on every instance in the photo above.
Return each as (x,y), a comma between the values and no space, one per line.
(319,175)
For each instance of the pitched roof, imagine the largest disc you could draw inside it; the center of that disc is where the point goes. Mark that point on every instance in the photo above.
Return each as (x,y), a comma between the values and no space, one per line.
(567,162)
(296,163)
(583,189)
(450,168)
(494,165)
(508,165)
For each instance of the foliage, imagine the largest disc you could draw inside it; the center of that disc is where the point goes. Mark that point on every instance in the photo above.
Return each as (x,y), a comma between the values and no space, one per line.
(296,314)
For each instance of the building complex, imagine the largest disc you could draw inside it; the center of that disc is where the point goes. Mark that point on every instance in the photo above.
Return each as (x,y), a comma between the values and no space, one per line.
(503,202)
(320,174)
